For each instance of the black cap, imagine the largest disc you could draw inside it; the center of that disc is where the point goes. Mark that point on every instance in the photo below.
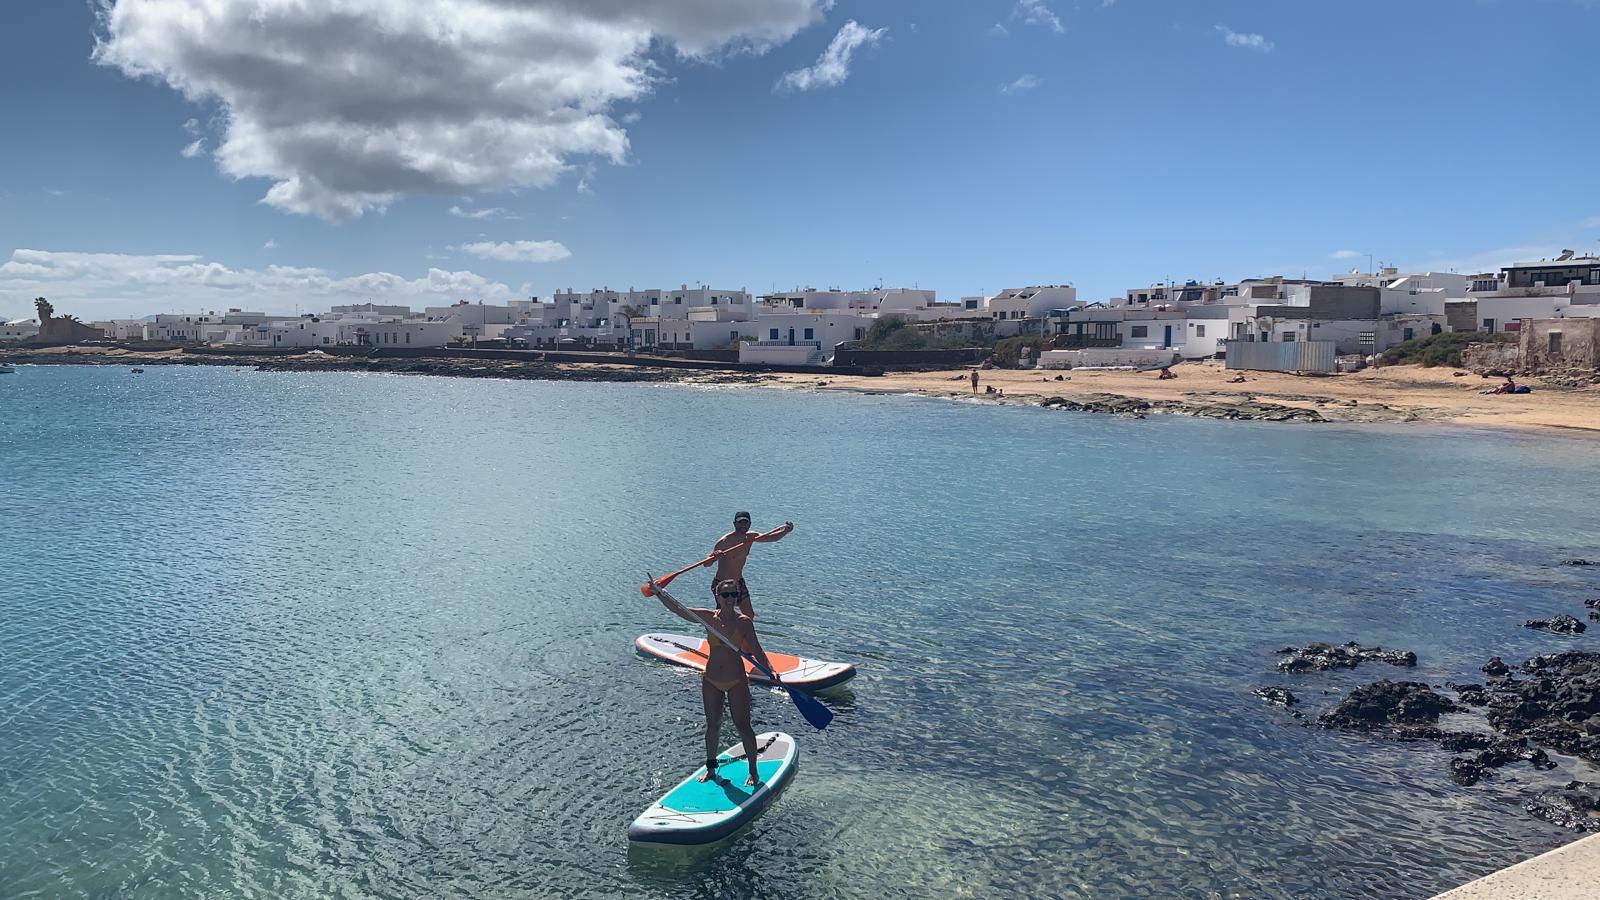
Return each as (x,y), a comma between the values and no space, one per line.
(741,515)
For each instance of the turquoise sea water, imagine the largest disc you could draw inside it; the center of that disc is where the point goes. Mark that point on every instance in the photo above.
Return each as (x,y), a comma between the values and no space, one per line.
(272,635)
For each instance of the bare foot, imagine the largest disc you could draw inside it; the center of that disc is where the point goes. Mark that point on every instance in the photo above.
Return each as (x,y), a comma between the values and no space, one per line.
(710,774)
(753,780)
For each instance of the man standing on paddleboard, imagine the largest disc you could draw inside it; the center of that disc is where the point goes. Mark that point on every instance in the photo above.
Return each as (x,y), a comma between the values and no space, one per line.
(732,549)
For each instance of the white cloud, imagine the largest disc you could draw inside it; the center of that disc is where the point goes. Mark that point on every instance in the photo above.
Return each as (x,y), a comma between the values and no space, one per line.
(1245,41)
(270,245)
(998,30)
(489,212)
(1025,83)
(1035,12)
(346,106)
(194,149)
(1346,254)
(833,66)
(517,251)
(106,285)
(631,117)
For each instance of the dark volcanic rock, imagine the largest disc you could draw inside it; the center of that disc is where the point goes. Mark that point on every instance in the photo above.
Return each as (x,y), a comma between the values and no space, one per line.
(1576,562)
(1577,806)
(1278,695)
(1560,623)
(1592,603)
(1320,657)
(1558,705)
(1468,771)
(1496,668)
(1385,704)
(1471,694)
(1460,741)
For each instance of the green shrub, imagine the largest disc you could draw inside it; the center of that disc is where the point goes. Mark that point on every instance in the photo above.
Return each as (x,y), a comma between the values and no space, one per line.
(1440,349)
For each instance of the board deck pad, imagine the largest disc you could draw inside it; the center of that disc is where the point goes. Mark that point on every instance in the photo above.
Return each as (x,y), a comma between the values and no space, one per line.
(796,671)
(696,812)
(724,794)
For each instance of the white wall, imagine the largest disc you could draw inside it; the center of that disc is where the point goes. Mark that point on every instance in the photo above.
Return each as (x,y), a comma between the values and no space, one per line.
(1414,301)
(20,329)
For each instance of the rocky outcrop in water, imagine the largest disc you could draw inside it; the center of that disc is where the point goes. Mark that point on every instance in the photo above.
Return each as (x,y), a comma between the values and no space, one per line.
(1560,623)
(1557,706)
(1576,562)
(1278,695)
(1117,404)
(1470,694)
(1388,705)
(1496,668)
(1576,806)
(1467,771)
(1320,657)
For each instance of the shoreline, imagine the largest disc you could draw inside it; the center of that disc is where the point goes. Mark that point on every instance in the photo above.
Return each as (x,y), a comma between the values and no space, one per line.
(1392,395)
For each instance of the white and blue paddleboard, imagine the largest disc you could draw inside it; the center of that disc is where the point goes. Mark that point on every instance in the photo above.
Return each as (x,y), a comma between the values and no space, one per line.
(700,812)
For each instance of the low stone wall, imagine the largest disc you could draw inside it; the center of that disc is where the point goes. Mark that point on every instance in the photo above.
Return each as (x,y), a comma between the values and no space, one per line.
(1115,357)
(1486,358)
(912,359)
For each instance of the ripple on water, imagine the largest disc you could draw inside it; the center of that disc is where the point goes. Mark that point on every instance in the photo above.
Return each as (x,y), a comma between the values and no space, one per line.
(325,635)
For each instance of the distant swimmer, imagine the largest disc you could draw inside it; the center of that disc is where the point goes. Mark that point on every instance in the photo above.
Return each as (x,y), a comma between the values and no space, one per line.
(731,551)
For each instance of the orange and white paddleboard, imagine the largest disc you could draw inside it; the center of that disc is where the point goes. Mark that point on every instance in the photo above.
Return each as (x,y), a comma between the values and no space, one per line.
(796,671)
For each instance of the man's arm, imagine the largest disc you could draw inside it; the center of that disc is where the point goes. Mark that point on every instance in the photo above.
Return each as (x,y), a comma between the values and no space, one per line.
(776,534)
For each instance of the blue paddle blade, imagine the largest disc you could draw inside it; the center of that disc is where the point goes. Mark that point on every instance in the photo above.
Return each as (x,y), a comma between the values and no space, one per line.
(813,709)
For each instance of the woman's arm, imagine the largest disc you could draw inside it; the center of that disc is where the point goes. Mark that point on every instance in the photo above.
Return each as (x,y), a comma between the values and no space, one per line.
(673,607)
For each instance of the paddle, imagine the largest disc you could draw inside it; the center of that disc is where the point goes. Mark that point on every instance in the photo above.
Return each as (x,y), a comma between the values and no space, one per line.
(810,707)
(665,580)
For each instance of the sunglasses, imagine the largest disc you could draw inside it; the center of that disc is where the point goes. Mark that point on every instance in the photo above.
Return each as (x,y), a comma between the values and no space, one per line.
(731,595)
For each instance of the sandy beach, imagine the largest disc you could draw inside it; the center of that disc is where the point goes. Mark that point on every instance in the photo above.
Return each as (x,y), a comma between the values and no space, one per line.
(1387,395)
(1391,394)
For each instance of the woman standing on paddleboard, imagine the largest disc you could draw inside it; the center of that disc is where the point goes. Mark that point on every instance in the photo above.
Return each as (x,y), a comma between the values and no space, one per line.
(725,679)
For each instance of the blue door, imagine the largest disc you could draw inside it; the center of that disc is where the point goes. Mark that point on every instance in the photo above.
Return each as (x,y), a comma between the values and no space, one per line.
(1166,340)
(791,337)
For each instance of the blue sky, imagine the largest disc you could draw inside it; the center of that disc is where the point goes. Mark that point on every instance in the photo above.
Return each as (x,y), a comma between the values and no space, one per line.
(964,147)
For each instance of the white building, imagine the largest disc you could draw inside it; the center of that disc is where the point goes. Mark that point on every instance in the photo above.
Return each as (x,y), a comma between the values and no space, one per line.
(20,330)
(198,327)
(1548,289)
(369,311)
(1033,302)
(310,332)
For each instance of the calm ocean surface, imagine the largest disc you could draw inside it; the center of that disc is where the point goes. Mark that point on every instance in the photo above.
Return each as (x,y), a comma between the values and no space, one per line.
(273,635)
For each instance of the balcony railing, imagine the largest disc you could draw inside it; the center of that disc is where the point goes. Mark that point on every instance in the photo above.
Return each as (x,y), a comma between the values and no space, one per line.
(817,344)
(1083,341)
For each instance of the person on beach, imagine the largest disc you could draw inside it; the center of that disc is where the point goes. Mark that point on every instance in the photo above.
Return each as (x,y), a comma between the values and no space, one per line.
(974,381)
(725,681)
(730,553)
